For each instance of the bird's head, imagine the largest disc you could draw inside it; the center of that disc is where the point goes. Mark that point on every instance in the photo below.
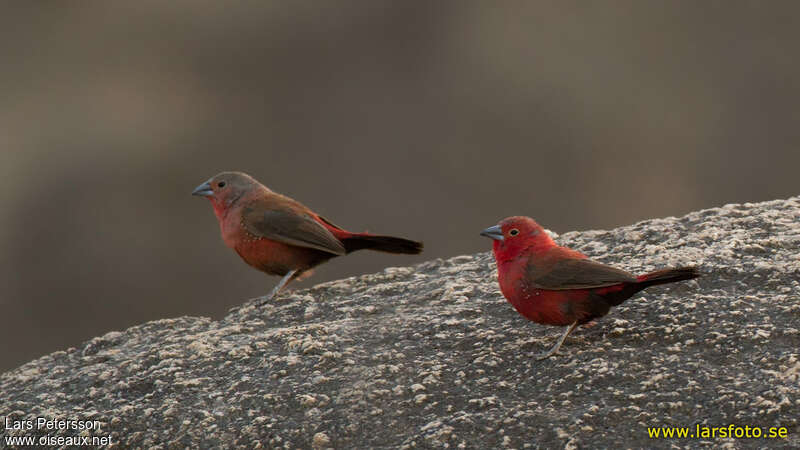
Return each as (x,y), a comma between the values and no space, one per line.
(516,234)
(226,188)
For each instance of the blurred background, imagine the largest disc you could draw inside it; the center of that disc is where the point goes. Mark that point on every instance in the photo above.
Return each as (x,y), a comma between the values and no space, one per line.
(430,120)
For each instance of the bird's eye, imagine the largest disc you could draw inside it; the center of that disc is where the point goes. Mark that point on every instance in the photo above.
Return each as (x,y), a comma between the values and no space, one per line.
(513,232)
(221,184)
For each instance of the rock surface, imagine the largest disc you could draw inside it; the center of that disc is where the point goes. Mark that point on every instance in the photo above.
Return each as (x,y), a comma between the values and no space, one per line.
(433,356)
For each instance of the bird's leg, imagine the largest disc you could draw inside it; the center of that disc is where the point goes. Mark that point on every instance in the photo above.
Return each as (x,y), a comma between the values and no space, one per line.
(555,348)
(291,275)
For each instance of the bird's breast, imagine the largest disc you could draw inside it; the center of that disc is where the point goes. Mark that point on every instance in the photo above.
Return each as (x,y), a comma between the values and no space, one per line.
(537,305)
(233,231)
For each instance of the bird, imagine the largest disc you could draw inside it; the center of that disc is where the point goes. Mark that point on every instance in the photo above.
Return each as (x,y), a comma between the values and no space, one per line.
(279,235)
(554,285)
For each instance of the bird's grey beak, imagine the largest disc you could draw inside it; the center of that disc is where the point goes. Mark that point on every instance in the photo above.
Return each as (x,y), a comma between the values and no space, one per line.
(493,233)
(204,190)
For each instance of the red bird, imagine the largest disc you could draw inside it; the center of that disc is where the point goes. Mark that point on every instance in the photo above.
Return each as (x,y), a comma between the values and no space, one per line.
(554,285)
(281,236)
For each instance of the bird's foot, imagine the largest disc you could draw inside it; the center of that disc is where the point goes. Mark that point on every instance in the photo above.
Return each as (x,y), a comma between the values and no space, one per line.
(268,298)
(292,275)
(555,348)
(263,301)
(545,355)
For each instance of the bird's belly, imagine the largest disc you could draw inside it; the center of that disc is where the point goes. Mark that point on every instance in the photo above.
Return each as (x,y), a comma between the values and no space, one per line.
(545,307)
(277,258)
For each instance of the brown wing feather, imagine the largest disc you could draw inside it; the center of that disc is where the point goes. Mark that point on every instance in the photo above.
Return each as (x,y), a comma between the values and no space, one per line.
(575,273)
(291,225)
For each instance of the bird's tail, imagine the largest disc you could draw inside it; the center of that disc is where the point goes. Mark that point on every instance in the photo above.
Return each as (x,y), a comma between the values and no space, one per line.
(667,276)
(389,244)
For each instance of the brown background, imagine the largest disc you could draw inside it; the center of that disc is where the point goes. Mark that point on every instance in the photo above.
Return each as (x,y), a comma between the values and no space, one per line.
(430,120)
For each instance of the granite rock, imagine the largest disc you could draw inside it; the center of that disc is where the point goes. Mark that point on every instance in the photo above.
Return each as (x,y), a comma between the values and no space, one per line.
(433,356)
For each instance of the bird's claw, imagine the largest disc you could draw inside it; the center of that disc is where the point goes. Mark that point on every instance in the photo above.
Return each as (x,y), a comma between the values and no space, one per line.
(543,356)
(265,300)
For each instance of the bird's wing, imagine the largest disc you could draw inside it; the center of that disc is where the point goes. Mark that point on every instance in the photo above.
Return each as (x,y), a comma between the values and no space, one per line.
(575,273)
(290,227)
